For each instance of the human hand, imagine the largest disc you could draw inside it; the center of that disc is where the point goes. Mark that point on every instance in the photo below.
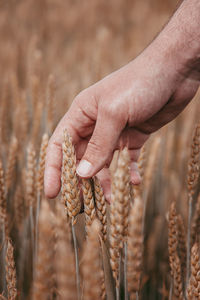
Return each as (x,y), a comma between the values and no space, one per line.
(122,109)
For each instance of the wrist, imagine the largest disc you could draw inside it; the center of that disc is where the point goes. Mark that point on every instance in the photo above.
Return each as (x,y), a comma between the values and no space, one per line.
(179,42)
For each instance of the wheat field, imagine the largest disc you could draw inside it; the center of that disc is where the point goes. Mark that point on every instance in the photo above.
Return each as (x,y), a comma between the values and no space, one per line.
(145,244)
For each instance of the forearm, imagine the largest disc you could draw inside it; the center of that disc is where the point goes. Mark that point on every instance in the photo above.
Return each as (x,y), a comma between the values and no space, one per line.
(180,39)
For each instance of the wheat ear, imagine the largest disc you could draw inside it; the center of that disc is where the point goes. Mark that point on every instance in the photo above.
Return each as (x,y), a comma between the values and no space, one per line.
(192,180)
(114,244)
(41,166)
(89,208)
(135,248)
(177,278)
(3,203)
(70,190)
(100,207)
(174,260)
(193,289)
(30,177)
(119,210)
(172,234)
(195,226)
(40,181)
(182,245)
(10,272)
(91,268)
(138,189)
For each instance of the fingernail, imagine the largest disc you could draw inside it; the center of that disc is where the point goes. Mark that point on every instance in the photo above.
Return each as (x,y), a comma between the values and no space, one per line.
(108,197)
(136,178)
(84,168)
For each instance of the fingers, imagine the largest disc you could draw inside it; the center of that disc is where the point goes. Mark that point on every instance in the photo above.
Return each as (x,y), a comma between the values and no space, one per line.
(101,145)
(135,174)
(53,170)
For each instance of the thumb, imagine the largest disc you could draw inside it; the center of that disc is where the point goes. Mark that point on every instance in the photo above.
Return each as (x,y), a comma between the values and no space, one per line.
(101,145)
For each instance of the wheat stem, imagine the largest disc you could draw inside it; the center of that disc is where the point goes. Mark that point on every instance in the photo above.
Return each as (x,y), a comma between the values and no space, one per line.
(125,271)
(76,260)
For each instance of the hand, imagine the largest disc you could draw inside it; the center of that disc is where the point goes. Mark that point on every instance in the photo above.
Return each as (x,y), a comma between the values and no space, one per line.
(122,109)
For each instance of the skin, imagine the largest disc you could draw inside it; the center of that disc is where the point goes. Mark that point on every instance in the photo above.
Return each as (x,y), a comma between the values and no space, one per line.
(127,106)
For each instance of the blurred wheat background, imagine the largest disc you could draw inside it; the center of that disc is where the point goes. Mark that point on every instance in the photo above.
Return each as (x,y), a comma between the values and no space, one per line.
(50,50)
